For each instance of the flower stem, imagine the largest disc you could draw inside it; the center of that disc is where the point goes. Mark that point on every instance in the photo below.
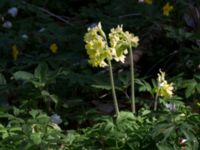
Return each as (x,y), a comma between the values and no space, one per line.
(113,89)
(156,100)
(155,103)
(132,80)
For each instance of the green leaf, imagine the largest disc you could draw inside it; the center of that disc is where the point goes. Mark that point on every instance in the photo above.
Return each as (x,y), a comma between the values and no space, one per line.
(198,88)
(23,75)
(103,87)
(190,86)
(41,72)
(190,138)
(106,87)
(52,97)
(15,129)
(168,132)
(34,113)
(16,111)
(126,121)
(2,79)
(5,134)
(36,138)
(43,118)
(144,86)
(197,77)
(164,147)
(45,93)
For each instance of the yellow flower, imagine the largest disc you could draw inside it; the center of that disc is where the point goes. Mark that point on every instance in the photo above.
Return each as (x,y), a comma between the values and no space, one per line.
(164,89)
(97,47)
(161,77)
(15,52)
(120,41)
(54,48)
(132,39)
(149,2)
(167,9)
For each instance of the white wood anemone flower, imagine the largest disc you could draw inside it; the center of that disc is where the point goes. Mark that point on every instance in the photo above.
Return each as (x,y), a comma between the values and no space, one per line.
(7,24)
(55,118)
(13,11)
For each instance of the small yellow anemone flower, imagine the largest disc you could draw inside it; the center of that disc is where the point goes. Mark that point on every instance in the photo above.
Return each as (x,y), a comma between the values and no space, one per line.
(167,8)
(54,48)
(149,2)
(164,89)
(15,52)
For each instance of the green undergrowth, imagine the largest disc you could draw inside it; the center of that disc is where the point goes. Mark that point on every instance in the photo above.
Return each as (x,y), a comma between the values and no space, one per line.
(33,129)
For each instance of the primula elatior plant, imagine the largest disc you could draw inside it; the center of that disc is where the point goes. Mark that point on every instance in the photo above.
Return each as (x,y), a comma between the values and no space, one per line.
(120,41)
(101,52)
(98,51)
(164,88)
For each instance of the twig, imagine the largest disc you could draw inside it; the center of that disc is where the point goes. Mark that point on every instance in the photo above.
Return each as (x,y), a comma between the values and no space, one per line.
(50,13)
(54,15)
(129,15)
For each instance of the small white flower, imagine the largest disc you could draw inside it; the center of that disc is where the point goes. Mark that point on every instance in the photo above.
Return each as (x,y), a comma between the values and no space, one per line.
(141,1)
(13,11)
(24,36)
(183,141)
(170,106)
(56,119)
(198,66)
(7,24)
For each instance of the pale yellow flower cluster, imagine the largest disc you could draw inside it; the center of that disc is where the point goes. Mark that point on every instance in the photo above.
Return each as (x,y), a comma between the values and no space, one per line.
(120,41)
(164,89)
(96,46)
(98,49)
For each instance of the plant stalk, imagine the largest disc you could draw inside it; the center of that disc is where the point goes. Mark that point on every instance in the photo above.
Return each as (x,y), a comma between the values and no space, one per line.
(132,80)
(113,89)
(156,103)
(156,100)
